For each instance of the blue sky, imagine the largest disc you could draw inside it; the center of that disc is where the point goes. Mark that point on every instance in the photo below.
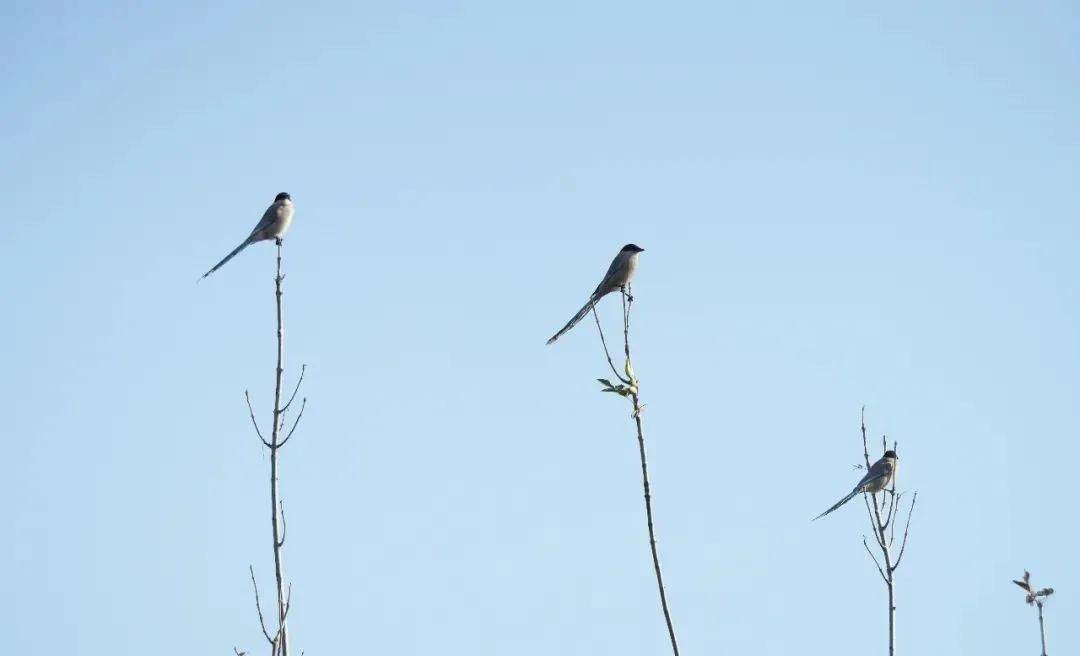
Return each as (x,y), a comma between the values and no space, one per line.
(840,205)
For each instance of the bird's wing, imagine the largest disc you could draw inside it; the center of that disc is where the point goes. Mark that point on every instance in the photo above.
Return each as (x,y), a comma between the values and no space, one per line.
(879,470)
(605,284)
(268,218)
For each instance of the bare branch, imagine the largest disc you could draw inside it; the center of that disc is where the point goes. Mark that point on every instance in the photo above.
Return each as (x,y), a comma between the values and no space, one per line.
(862,426)
(284,614)
(296,422)
(893,514)
(254,423)
(870,512)
(258,607)
(606,353)
(907,527)
(874,558)
(281,641)
(627,301)
(296,389)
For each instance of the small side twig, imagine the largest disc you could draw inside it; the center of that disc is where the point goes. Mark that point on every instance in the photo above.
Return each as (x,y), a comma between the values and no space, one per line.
(303,369)
(874,558)
(907,527)
(281,542)
(607,354)
(258,607)
(296,422)
(251,411)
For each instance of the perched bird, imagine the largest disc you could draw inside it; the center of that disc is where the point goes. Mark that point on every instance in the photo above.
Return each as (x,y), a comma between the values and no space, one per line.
(877,479)
(618,276)
(273,225)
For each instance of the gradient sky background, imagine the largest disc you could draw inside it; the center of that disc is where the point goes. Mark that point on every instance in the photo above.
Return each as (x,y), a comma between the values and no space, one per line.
(840,205)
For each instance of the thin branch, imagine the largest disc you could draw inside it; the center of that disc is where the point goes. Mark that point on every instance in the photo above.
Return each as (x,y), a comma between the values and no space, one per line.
(296,422)
(874,558)
(258,607)
(894,512)
(254,423)
(285,614)
(296,389)
(606,353)
(903,543)
(870,513)
(865,448)
(282,642)
(894,501)
(1042,629)
(628,300)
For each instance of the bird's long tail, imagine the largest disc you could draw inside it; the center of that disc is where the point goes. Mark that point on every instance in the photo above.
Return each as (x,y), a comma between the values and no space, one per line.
(574,320)
(839,503)
(242,246)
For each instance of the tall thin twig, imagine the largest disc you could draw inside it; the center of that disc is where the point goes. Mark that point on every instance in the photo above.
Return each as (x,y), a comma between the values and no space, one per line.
(882,516)
(630,389)
(279,643)
(274,445)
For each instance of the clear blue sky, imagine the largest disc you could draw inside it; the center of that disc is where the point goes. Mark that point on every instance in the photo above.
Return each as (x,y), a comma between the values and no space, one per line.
(840,205)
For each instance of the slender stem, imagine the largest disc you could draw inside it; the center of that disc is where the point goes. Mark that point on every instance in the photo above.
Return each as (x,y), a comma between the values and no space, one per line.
(627,302)
(275,506)
(892,619)
(1042,629)
(884,528)
(607,354)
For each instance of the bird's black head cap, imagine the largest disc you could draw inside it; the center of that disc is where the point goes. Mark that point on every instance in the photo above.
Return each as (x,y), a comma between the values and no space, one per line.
(891,454)
(282,196)
(632,248)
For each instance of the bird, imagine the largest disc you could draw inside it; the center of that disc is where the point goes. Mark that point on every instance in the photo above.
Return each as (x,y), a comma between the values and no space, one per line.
(879,476)
(618,276)
(274,224)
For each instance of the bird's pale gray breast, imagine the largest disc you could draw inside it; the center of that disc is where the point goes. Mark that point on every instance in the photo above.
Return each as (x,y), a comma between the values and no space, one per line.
(281,214)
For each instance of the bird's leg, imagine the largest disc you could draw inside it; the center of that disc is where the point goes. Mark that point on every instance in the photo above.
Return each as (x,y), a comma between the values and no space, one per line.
(277,240)
(625,289)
